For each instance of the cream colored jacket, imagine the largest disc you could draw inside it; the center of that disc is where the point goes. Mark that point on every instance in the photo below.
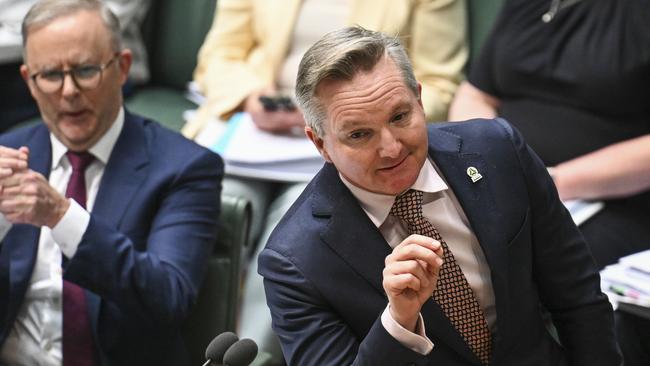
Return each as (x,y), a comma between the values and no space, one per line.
(249,40)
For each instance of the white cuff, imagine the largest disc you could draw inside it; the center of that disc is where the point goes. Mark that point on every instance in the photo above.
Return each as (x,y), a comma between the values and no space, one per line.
(67,233)
(5,226)
(417,342)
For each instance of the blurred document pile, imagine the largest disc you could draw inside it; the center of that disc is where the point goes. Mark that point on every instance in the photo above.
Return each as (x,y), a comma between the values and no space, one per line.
(253,153)
(627,283)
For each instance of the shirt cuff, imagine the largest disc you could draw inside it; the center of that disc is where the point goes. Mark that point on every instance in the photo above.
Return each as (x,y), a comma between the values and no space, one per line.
(417,341)
(5,226)
(67,233)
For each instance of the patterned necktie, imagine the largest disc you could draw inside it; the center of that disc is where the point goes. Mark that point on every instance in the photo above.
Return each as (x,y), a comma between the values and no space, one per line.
(452,293)
(78,348)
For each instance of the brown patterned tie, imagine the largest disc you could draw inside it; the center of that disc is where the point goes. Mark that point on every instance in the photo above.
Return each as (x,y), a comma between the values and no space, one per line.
(452,293)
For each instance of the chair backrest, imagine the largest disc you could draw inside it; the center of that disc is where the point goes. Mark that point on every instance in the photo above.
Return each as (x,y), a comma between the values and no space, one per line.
(482,15)
(175,31)
(216,308)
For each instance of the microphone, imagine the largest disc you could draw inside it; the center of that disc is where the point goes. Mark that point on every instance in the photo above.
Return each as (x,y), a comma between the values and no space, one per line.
(241,353)
(218,347)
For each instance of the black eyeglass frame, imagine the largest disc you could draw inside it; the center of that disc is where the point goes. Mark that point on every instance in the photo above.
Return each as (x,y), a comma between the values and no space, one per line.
(63,73)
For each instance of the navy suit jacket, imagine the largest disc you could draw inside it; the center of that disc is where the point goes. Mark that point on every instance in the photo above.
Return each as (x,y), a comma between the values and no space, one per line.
(323,265)
(144,253)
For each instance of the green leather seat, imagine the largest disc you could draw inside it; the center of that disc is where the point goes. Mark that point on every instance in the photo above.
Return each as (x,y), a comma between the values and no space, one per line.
(173,32)
(216,308)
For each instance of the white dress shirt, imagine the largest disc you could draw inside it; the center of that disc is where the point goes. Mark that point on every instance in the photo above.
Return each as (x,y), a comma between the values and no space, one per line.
(442,209)
(35,337)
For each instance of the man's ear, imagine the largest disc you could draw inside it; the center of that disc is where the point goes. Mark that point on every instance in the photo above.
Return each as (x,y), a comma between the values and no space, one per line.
(420,95)
(125,60)
(24,72)
(318,142)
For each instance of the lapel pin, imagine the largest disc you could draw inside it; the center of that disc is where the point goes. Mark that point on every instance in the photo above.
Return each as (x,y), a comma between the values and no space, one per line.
(473,174)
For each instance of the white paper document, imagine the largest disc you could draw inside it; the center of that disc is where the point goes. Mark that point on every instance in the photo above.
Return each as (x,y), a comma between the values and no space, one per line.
(251,152)
(582,210)
(628,281)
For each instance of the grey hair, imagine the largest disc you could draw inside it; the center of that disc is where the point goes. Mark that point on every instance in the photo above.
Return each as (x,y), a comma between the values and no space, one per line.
(46,11)
(340,55)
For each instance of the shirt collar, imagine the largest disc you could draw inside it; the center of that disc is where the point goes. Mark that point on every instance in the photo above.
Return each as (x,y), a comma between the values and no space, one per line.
(101,150)
(377,206)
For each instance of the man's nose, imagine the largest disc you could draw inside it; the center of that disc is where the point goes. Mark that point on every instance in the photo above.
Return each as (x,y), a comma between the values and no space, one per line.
(69,87)
(390,145)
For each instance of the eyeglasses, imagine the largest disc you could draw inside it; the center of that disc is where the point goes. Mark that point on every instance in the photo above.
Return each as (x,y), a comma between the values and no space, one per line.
(85,77)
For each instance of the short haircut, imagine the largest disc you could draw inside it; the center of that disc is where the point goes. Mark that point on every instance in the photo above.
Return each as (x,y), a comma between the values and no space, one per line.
(340,55)
(46,11)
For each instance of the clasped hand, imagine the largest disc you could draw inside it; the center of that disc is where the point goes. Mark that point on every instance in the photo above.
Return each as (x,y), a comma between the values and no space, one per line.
(26,197)
(410,277)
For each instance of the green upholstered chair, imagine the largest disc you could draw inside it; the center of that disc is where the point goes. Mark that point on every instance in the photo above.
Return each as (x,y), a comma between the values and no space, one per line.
(481,15)
(173,31)
(216,308)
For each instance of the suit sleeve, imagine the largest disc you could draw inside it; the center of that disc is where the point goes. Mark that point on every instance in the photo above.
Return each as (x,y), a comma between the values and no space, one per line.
(564,271)
(311,333)
(155,277)
(438,50)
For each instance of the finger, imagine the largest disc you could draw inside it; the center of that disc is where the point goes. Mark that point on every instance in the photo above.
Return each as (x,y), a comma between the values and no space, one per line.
(413,267)
(422,240)
(413,252)
(396,284)
(13,163)
(5,172)
(21,153)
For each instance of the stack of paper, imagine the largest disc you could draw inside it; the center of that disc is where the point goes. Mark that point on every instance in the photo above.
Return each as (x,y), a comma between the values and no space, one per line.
(582,210)
(251,152)
(628,282)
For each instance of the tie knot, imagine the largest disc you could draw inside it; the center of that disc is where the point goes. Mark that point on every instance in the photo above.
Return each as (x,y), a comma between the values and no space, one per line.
(79,160)
(408,206)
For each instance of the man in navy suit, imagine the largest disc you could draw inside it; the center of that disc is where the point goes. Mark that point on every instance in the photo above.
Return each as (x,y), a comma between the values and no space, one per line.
(419,245)
(124,256)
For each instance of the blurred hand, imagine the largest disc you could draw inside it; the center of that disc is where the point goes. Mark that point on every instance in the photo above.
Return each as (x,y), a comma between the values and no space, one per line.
(12,160)
(279,121)
(410,277)
(26,197)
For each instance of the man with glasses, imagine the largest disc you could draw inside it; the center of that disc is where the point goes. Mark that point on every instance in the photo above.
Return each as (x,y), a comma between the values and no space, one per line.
(106,219)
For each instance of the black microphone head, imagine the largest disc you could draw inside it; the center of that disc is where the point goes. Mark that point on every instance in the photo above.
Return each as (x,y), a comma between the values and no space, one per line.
(242,353)
(219,345)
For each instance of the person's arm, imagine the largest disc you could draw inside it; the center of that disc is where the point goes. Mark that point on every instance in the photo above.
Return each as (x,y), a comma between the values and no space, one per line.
(153,272)
(563,270)
(618,170)
(223,71)
(438,51)
(314,334)
(471,102)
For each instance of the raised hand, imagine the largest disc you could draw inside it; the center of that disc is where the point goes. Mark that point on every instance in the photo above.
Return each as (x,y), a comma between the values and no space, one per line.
(410,277)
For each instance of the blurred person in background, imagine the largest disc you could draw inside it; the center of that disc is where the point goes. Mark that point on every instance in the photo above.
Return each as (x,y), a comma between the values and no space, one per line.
(574,77)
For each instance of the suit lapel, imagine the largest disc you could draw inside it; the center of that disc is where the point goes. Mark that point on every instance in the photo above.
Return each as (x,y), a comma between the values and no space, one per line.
(363,248)
(478,203)
(124,172)
(123,175)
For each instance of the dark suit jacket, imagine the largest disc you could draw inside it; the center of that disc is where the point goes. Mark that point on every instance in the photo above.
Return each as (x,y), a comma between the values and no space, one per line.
(143,256)
(323,264)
